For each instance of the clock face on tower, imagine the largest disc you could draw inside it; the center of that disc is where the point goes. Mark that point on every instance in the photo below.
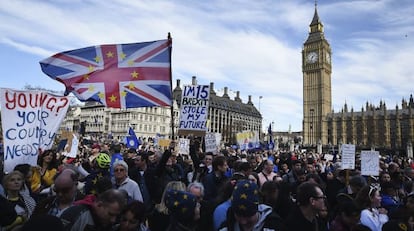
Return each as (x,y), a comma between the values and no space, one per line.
(312,57)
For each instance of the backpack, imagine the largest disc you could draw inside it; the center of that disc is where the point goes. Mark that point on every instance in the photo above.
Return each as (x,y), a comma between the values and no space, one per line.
(71,215)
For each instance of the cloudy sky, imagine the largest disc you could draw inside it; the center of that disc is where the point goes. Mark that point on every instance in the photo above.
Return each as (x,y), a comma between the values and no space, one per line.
(251,46)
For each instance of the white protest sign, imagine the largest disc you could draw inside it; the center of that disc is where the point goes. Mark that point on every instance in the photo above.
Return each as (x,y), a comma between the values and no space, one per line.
(29,120)
(211,142)
(71,148)
(370,163)
(328,157)
(348,156)
(184,146)
(194,108)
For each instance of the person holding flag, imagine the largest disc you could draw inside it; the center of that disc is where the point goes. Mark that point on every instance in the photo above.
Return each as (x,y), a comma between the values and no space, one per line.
(132,140)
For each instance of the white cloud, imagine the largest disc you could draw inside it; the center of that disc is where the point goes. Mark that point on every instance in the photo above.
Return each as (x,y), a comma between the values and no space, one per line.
(249,46)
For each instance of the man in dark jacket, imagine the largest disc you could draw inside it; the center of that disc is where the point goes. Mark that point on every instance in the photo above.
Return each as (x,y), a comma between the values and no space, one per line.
(310,200)
(65,187)
(214,180)
(95,213)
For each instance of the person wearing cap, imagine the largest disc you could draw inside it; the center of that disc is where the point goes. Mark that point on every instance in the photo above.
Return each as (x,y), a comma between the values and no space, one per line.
(246,212)
(121,181)
(99,170)
(184,210)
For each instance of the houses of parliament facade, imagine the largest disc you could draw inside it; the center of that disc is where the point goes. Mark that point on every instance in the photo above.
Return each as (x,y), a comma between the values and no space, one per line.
(374,126)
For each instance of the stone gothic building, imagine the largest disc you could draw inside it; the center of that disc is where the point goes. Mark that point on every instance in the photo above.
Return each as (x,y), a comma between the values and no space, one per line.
(372,127)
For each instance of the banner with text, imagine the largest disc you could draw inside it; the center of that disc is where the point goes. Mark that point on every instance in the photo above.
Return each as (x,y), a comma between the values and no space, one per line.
(247,139)
(194,109)
(29,121)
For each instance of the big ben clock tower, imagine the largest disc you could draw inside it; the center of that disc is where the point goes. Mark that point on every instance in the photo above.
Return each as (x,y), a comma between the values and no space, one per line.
(317,96)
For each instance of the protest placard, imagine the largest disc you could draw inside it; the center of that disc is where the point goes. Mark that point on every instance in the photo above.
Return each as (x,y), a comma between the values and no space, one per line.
(348,156)
(211,142)
(194,110)
(30,120)
(184,146)
(370,163)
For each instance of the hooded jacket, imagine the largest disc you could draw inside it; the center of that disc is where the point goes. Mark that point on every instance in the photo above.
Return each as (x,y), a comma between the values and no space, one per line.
(268,220)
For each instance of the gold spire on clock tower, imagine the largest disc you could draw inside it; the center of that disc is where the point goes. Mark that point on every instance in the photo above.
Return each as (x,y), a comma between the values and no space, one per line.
(317,96)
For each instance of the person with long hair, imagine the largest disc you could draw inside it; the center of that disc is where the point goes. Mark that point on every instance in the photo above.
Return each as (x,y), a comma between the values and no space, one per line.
(160,217)
(44,173)
(372,215)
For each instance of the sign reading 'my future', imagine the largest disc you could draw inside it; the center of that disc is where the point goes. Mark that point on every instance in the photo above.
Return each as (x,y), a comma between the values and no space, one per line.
(29,120)
(194,109)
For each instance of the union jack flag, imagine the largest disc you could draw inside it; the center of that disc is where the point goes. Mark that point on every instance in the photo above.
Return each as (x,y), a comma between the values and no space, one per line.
(117,75)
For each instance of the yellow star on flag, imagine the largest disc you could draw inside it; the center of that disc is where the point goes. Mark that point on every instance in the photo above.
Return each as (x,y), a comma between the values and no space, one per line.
(134,75)
(86,77)
(246,185)
(185,197)
(112,98)
(91,68)
(131,86)
(176,203)
(91,88)
(122,55)
(123,93)
(242,207)
(130,62)
(243,196)
(101,95)
(109,54)
(97,59)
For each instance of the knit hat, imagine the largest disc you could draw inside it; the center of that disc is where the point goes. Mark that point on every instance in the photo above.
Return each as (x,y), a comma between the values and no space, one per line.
(181,205)
(120,162)
(245,198)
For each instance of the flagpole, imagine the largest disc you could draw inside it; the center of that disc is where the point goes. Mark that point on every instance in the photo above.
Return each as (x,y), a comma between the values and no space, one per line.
(172,98)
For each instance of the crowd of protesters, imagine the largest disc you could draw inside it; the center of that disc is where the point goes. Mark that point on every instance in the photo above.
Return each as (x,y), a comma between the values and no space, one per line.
(111,187)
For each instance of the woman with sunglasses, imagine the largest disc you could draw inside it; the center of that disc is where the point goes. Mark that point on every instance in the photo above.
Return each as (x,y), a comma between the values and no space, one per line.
(372,215)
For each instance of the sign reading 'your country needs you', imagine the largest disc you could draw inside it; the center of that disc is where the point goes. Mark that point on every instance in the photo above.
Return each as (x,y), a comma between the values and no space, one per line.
(194,109)
(29,120)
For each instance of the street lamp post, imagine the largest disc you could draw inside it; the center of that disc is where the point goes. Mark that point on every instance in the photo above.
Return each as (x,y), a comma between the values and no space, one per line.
(311,127)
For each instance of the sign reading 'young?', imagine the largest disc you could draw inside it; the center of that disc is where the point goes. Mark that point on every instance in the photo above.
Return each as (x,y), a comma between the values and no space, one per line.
(29,120)
(194,108)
